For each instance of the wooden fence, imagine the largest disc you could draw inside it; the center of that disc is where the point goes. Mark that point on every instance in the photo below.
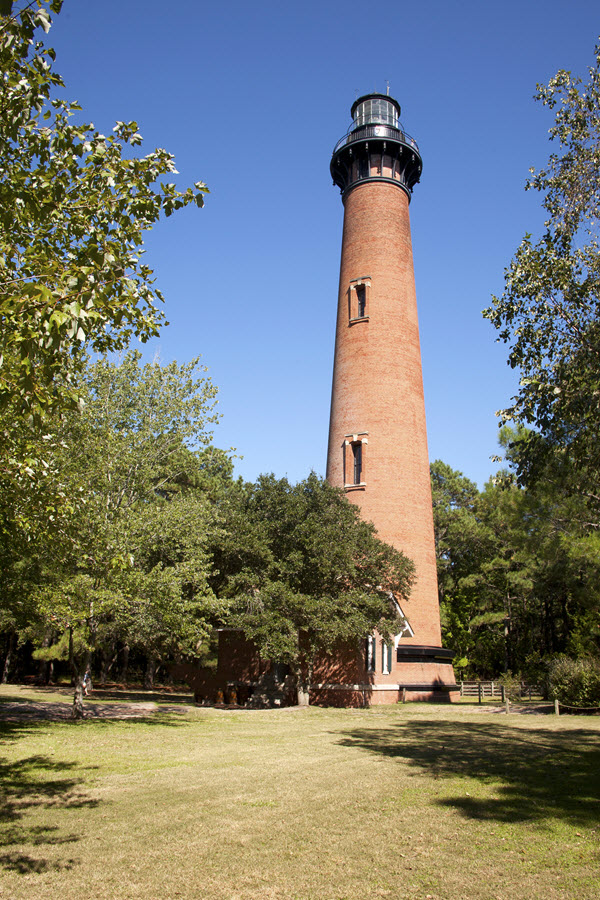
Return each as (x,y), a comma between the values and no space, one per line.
(495,690)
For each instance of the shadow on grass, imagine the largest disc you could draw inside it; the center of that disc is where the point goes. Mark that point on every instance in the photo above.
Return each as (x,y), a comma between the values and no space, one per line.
(17,709)
(36,783)
(117,693)
(126,696)
(164,718)
(536,774)
(27,785)
(18,698)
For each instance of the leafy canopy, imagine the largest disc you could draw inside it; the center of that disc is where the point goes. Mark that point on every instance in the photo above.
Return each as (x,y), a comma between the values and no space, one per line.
(135,563)
(549,313)
(303,571)
(518,572)
(74,206)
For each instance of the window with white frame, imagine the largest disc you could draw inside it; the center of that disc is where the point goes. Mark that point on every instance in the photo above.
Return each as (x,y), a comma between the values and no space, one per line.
(354,460)
(386,657)
(361,301)
(358,300)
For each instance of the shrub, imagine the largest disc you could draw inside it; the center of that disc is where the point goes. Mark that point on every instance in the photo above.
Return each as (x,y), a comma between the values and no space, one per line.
(575,682)
(512,686)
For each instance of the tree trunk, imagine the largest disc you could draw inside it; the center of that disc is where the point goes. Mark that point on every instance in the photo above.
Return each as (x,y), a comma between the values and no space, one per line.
(507,635)
(44,665)
(8,658)
(109,657)
(125,666)
(79,673)
(78,711)
(150,672)
(42,676)
(72,665)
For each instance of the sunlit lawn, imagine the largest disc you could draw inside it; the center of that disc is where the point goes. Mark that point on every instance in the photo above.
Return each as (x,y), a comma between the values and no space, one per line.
(414,801)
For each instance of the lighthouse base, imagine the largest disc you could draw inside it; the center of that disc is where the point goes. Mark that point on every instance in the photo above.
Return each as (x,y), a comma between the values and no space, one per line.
(340,678)
(366,694)
(419,673)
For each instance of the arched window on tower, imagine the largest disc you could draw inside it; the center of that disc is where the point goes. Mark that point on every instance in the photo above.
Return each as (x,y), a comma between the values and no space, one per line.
(355,446)
(358,300)
(357,462)
(361,297)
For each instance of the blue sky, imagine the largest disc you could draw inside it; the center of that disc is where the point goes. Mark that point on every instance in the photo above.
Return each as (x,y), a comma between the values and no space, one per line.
(251,98)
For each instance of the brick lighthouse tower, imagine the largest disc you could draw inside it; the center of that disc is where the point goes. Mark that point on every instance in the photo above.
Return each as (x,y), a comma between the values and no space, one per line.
(377,435)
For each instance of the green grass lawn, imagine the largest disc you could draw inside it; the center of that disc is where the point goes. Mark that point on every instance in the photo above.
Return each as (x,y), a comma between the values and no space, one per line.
(415,801)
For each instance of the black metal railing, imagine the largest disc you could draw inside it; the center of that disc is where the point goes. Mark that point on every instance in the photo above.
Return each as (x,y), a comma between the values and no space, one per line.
(376,131)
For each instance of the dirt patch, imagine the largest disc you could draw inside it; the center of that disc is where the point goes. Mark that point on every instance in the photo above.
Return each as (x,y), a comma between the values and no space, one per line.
(536,709)
(52,711)
(57,712)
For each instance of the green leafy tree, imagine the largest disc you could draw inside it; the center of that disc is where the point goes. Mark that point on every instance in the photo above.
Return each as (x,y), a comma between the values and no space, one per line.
(305,574)
(505,580)
(171,608)
(518,574)
(549,312)
(462,543)
(136,564)
(74,205)
(575,682)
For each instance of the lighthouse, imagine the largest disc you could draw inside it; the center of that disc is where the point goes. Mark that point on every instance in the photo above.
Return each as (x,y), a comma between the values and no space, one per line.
(377,452)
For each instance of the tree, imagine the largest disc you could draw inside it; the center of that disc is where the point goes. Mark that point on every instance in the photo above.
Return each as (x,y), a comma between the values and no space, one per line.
(462,543)
(575,683)
(549,312)
(304,573)
(74,205)
(170,609)
(137,563)
(519,576)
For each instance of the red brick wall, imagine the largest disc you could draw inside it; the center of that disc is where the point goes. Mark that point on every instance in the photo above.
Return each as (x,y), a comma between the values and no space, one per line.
(378,388)
(239,659)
